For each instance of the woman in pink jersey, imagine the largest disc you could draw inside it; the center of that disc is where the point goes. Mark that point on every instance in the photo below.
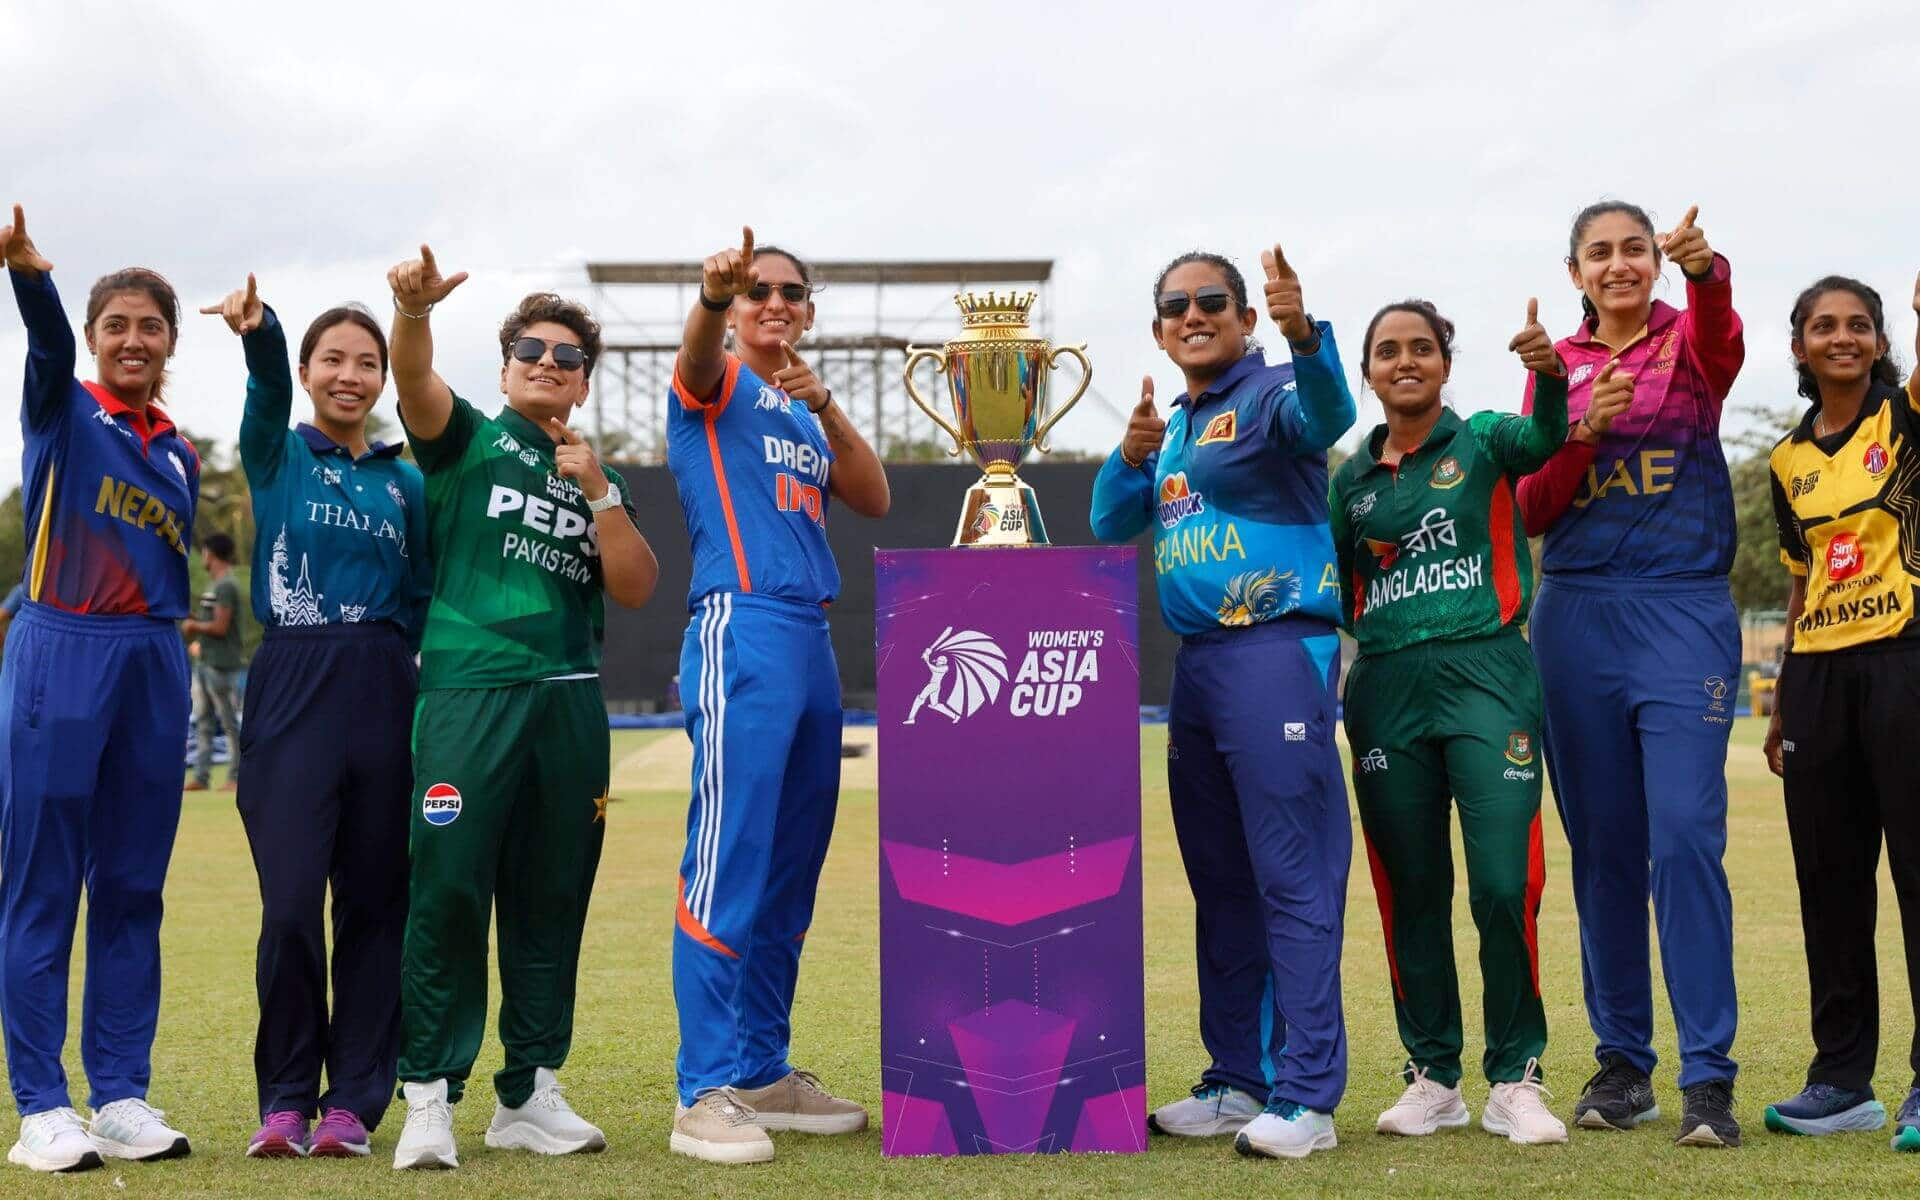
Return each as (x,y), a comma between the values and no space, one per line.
(1639,650)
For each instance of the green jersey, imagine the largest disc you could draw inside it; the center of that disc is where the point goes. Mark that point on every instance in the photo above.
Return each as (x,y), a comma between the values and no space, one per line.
(222,653)
(517,577)
(1434,548)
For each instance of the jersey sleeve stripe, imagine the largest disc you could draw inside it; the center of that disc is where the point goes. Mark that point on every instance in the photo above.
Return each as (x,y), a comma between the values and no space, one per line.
(1506,575)
(723,393)
(37,578)
(720,483)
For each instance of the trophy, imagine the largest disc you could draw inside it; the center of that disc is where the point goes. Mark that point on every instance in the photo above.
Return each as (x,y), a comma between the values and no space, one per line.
(996,374)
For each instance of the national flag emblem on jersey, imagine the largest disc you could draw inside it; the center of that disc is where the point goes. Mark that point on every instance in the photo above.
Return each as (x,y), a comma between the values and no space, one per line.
(1447,473)
(1844,558)
(441,804)
(1875,460)
(1221,428)
(1519,748)
(1386,552)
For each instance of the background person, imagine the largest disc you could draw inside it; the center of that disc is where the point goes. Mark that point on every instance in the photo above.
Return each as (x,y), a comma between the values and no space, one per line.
(219,664)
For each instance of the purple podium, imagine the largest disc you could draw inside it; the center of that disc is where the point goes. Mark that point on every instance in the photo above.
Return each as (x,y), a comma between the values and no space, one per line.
(1012,990)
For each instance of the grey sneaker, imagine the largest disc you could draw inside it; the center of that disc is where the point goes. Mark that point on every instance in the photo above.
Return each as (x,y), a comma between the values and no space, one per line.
(798,1103)
(133,1129)
(1212,1109)
(716,1127)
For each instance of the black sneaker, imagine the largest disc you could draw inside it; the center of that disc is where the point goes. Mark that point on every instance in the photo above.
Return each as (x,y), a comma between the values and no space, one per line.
(1619,1096)
(1706,1115)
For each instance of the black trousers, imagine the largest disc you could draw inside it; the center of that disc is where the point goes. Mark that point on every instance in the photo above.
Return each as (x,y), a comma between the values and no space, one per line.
(1852,776)
(324,793)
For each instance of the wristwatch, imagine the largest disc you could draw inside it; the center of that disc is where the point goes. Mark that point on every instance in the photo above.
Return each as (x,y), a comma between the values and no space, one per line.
(610,500)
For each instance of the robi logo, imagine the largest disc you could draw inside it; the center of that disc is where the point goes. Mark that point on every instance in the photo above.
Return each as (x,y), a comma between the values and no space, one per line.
(1844,559)
(441,804)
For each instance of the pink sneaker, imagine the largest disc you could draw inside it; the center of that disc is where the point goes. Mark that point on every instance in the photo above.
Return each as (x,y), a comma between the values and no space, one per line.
(340,1134)
(282,1135)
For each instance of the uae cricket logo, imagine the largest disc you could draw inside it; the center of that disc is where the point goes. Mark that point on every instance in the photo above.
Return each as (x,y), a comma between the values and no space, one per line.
(965,671)
(1447,473)
(1519,748)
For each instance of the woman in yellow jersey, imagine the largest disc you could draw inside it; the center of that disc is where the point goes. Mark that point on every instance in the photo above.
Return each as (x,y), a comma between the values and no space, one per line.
(1846,495)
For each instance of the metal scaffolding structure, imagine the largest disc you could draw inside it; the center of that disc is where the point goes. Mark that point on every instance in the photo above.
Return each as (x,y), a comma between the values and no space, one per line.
(867,313)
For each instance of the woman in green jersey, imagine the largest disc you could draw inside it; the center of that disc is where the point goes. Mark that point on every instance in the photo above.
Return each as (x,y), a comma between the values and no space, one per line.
(1444,703)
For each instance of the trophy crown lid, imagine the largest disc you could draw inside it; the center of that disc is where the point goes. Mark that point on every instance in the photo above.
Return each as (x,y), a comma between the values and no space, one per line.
(993,309)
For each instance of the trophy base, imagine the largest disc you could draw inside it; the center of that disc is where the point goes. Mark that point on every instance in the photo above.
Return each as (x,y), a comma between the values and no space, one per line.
(1000,511)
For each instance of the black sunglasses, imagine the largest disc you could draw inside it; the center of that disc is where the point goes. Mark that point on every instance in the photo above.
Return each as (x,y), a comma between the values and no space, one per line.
(566,355)
(1212,299)
(792,293)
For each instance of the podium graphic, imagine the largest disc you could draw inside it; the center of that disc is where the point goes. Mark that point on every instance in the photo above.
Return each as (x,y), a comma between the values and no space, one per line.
(1012,989)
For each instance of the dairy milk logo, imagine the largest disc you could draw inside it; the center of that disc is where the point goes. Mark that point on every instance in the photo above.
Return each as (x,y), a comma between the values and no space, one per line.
(441,804)
(964,674)
(1178,501)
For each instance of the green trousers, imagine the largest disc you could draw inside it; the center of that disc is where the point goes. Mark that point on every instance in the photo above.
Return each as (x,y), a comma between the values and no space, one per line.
(1455,721)
(508,807)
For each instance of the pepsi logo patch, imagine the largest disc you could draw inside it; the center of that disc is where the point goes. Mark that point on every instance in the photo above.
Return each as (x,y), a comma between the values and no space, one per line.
(1875,459)
(441,804)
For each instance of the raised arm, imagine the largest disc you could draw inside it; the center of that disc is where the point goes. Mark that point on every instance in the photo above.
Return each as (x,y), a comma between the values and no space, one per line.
(426,402)
(1711,328)
(1320,408)
(1547,493)
(50,345)
(703,355)
(263,424)
(1524,444)
(1123,490)
(626,561)
(856,478)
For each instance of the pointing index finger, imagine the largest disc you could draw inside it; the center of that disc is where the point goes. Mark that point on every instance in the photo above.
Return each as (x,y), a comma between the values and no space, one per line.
(564,433)
(1686,222)
(426,258)
(746,244)
(253,289)
(19,221)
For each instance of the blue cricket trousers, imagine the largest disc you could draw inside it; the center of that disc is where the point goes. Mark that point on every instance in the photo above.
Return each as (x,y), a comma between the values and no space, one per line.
(325,799)
(1260,811)
(91,767)
(762,699)
(1640,677)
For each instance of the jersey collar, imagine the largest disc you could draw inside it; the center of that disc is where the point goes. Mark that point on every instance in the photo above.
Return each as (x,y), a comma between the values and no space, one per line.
(1877,395)
(148,425)
(1247,365)
(1442,431)
(320,443)
(522,427)
(1658,319)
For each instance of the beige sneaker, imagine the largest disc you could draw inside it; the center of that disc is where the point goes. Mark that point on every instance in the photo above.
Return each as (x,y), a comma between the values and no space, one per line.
(1516,1111)
(718,1128)
(1427,1106)
(798,1103)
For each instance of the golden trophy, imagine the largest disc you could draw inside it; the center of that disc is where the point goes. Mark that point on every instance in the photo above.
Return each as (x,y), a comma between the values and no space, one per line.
(996,374)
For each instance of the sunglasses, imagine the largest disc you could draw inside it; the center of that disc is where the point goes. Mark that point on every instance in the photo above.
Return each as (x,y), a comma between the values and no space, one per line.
(792,293)
(1212,299)
(566,355)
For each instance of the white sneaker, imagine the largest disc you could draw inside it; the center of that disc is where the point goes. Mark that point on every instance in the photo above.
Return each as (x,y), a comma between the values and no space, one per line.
(1287,1131)
(1425,1107)
(717,1127)
(134,1129)
(1212,1109)
(545,1124)
(426,1141)
(54,1140)
(1516,1111)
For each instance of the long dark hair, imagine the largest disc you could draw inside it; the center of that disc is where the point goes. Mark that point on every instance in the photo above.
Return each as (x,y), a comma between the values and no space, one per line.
(344,314)
(1884,370)
(1424,309)
(1588,216)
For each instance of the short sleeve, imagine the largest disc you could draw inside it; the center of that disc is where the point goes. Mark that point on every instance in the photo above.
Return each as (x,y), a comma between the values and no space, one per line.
(437,454)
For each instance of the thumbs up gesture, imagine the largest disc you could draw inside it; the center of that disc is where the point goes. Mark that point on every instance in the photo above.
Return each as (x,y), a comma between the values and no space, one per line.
(1145,429)
(418,284)
(1687,245)
(18,249)
(242,309)
(1284,302)
(1533,345)
(731,272)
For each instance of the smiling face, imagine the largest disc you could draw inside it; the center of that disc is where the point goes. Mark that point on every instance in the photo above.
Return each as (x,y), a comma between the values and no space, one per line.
(344,376)
(1838,342)
(763,326)
(1202,344)
(539,390)
(1405,367)
(131,342)
(1615,263)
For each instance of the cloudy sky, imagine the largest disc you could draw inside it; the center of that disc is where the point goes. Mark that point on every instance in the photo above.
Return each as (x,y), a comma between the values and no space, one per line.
(1416,149)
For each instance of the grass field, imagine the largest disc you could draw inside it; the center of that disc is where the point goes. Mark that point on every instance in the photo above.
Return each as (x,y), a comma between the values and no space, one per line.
(622,1067)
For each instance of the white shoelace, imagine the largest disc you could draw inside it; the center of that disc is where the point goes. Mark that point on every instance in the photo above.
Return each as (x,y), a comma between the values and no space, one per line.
(134,1111)
(549,1098)
(726,1104)
(49,1120)
(1526,1092)
(429,1112)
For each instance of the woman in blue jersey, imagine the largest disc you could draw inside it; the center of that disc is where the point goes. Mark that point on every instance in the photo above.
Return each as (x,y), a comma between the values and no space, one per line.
(757,446)
(95,680)
(1639,647)
(341,581)
(1259,804)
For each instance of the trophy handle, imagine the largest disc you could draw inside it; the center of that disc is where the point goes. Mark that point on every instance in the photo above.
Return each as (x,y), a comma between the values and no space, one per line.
(938,356)
(1086,377)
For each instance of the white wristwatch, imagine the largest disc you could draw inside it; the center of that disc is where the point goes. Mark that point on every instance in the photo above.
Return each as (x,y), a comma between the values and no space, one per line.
(610,500)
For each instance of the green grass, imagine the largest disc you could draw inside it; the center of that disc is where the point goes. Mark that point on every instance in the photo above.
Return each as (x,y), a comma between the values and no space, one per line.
(621,1073)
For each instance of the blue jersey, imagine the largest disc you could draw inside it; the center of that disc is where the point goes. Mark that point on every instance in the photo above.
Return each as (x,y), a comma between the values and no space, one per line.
(751,465)
(337,539)
(1237,496)
(109,492)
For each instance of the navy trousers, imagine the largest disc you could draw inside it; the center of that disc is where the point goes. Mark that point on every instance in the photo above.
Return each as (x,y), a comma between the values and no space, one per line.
(324,797)
(1260,810)
(90,776)
(1640,677)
